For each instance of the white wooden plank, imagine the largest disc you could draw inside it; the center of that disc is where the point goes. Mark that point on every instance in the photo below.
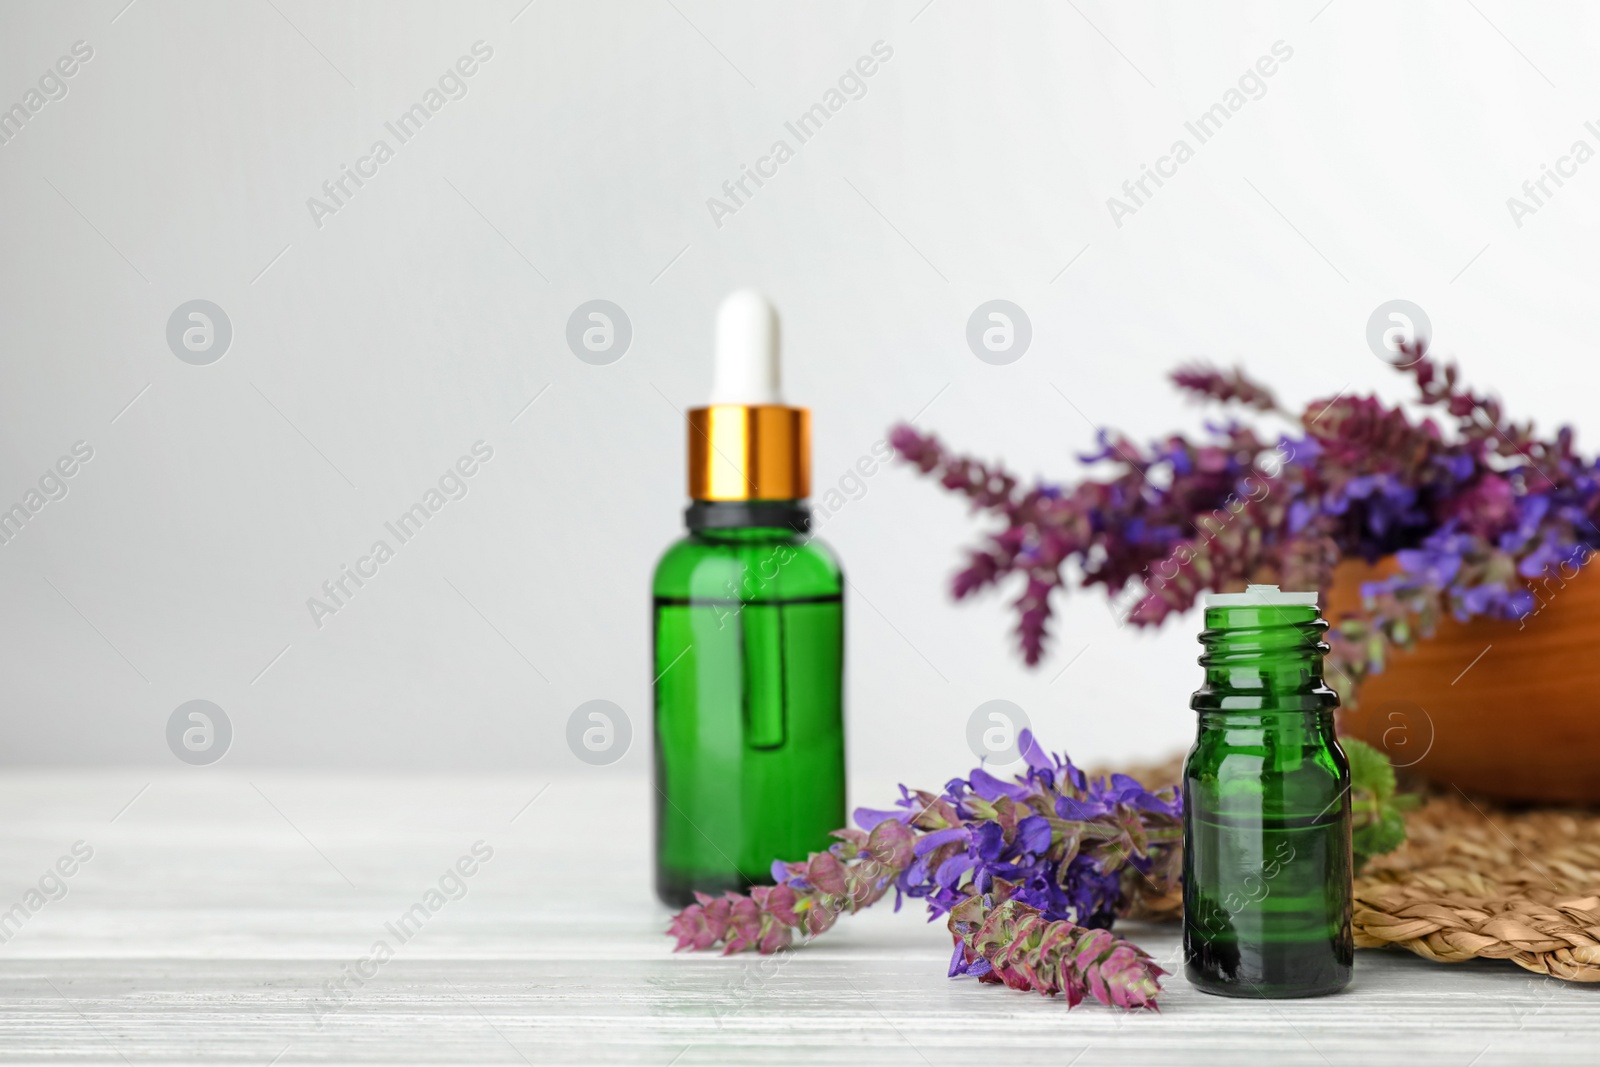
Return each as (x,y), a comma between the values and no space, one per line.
(217,907)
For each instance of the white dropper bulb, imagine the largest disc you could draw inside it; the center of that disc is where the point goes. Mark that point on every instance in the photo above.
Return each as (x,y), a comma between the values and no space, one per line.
(746,363)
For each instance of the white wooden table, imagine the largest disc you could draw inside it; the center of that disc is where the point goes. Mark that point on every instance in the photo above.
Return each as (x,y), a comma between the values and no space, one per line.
(218,905)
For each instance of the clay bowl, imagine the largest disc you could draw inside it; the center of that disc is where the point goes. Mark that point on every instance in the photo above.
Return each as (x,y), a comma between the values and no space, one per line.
(1506,709)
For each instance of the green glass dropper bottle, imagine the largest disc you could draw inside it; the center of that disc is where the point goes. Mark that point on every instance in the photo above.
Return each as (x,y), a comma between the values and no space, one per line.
(749,637)
(1266,806)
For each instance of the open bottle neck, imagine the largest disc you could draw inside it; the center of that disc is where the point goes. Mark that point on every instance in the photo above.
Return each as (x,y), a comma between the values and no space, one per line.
(1262,659)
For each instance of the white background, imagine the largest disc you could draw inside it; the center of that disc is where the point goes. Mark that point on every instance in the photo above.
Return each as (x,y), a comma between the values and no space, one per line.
(371,352)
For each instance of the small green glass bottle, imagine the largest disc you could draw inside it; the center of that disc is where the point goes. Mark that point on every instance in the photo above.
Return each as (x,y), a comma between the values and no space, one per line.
(749,639)
(1266,806)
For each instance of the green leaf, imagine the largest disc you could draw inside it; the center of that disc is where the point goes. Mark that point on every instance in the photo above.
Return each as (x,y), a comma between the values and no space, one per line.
(1369,769)
(1374,839)
(1377,812)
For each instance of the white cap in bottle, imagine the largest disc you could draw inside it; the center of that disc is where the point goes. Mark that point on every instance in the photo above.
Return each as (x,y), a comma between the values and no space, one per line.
(1261,596)
(747,351)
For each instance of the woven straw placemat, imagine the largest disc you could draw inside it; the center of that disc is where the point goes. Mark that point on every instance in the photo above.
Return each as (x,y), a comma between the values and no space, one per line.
(1472,880)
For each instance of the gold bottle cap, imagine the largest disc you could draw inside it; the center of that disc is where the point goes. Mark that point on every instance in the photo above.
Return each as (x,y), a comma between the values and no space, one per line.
(749,452)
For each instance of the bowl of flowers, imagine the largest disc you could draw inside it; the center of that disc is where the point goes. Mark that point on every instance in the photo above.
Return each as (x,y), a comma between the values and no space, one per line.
(1450,545)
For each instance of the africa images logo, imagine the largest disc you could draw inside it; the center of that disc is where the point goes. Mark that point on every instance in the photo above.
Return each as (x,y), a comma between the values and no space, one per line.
(1251,85)
(452,85)
(852,85)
